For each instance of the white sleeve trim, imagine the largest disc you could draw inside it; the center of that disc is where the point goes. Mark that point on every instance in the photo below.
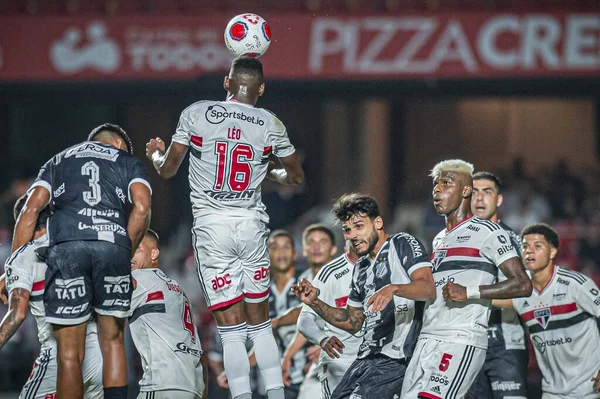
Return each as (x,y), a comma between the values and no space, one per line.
(181,141)
(506,257)
(137,180)
(419,266)
(287,153)
(40,183)
(18,284)
(350,302)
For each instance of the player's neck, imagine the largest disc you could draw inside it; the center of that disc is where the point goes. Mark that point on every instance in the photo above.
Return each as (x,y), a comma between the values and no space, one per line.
(382,239)
(315,267)
(241,99)
(459,215)
(352,257)
(541,278)
(282,278)
(494,218)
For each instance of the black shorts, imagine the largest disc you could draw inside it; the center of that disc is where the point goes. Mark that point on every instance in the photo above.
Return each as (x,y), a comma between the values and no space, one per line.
(503,375)
(372,378)
(82,275)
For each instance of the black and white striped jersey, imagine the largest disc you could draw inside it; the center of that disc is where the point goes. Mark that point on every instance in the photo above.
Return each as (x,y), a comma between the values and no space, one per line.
(393,331)
(468,255)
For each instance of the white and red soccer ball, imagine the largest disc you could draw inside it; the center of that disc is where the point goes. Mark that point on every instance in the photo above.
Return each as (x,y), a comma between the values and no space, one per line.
(247,35)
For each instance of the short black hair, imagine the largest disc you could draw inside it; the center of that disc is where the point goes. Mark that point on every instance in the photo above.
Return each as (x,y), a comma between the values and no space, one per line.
(281,233)
(153,235)
(318,227)
(114,129)
(248,65)
(491,177)
(542,229)
(352,204)
(42,217)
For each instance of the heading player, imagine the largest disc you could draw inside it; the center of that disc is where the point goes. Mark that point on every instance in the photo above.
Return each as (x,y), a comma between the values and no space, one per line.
(504,372)
(24,279)
(452,345)
(230,143)
(393,272)
(91,244)
(163,330)
(561,316)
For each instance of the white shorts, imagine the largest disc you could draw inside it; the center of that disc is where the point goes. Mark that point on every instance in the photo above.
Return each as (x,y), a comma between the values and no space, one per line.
(168,394)
(440,369)
(330,376)
(232,259)
(41,383)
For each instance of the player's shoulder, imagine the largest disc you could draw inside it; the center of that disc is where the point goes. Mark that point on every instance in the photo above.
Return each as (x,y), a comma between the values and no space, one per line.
(333,268)
(482,226)
(571,276)
(201,105)
(27,253)
(404,242)
(272,118)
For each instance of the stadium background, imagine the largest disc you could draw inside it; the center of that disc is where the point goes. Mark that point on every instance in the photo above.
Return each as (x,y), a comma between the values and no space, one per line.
(373,94)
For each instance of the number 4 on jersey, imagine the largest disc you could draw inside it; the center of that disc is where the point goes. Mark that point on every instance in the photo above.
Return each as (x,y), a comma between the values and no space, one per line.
(236,162)
(188,320)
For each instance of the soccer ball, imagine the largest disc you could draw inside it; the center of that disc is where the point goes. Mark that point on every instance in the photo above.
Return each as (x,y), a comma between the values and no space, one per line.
(248,35)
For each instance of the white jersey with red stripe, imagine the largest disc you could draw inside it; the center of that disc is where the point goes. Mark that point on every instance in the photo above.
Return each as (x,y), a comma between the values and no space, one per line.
(230,143)
(562,326)
(468,255)
(25,270)
(164,333)
(334,281)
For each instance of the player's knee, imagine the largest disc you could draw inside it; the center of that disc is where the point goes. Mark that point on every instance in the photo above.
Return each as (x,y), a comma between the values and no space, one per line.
(70,354)
(236,333)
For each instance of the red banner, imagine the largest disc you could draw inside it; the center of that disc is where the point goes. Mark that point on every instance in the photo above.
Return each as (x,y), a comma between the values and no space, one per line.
(477,45)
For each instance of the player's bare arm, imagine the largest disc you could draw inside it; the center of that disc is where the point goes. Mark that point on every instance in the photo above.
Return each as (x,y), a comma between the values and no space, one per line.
(596,381)
(17,312)
(502,303)
(289,318)
(139,219)
(516,285)
(348,319)
(292,172)
(3,297)
(422,288)
(204,362)
(25,227)
(166,162)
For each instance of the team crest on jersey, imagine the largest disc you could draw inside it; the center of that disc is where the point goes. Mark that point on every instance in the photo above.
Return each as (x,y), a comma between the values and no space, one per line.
(381,268)
(438,257)
(542,316)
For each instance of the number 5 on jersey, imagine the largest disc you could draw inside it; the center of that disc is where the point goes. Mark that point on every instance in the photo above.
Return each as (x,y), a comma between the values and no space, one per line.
(235,163)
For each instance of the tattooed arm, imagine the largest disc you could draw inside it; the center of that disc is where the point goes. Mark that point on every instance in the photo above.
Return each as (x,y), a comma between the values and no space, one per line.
(349,319)
(17,312)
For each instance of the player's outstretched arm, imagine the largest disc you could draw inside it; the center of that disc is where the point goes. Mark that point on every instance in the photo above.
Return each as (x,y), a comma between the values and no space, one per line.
(17,312)
(167,162)
(290,317)
(421,288)
(292,172)
(502,303)
(348,319)
(25,227)
(139,219)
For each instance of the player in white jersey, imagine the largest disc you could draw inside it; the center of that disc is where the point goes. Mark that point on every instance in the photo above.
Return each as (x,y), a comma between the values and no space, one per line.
(393,273)
(504,372)
(561,316)
(24,279)
(163,330)
(318,246)
(453,342)
(230,143)
(339,348)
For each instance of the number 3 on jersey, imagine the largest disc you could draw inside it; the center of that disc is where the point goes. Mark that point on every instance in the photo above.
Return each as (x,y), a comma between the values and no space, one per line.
(235,163)
(188,320)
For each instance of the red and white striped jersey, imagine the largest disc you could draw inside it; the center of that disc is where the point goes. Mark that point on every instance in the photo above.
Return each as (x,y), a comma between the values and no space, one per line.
(164,333)
(562,326)
(468,255)
(230,143)
(25,270)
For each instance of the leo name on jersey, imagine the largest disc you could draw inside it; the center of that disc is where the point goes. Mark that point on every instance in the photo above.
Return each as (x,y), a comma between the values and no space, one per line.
(561,320)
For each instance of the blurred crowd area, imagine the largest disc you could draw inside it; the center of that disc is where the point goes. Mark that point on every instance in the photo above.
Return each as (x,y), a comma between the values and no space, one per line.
(141,7)
(569,200)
